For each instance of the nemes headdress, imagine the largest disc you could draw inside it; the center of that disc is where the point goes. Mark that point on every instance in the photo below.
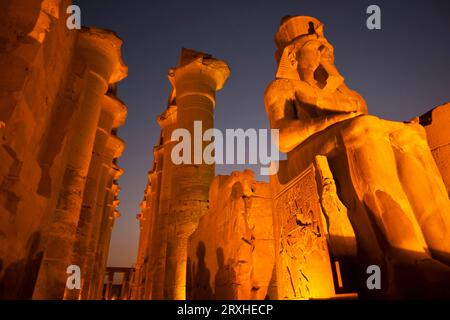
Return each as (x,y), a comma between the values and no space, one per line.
(294,31)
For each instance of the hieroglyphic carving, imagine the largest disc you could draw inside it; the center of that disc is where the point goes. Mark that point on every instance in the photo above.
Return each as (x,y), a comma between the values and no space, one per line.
(303,249)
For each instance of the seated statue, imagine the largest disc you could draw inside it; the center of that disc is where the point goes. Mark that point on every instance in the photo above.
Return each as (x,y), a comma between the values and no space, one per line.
(386,175)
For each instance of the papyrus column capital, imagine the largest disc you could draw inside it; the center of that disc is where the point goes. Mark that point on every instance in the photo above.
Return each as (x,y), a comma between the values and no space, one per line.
(115,146)
(116,215)
(168,117)
(116,108)
(198,74)
(117,173)
(101,50)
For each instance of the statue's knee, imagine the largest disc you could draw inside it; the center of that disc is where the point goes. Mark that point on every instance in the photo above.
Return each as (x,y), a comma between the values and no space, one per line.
(410,134)
(416,129)
(361,127)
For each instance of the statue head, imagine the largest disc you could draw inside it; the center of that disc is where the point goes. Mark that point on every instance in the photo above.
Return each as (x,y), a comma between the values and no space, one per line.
(306,58)
(303,53)
(295,28)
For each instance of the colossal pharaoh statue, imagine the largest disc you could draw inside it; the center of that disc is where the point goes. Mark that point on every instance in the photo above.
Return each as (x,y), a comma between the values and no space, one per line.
(384,171)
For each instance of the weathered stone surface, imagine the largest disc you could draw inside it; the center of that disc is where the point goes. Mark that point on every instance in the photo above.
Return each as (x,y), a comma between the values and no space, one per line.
(438,135)
(195,80)
(338,228)
(104,151)
(119,290)
(177,195)
(303,260)
(231,254)
(27,98)
(160,200)
(50,110)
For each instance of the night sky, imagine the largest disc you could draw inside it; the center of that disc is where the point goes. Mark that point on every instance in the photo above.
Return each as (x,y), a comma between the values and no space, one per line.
(402,70)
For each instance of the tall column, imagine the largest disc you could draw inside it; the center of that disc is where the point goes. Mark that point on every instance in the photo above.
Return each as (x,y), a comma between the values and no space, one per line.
(113,150)
(125,294)
(112,116)
(196,80)
(100,50)
(109,284)
(167,122)
(144,226)
(154,290)
(110,215)
(146,220)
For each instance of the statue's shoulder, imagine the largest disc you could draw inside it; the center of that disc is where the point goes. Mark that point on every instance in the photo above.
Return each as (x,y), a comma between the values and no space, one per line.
(280,87)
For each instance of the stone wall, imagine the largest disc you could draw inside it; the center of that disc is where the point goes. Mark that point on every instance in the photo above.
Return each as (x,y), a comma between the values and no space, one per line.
(315,244)
(231,254)
(436,123)
(59,115)
(303,264)
(26,111)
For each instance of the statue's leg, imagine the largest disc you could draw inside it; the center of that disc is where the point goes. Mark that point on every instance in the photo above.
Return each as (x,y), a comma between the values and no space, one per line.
(425,188)
(374,175)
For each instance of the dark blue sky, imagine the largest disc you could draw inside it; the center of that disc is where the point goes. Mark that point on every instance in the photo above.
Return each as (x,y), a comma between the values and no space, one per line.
(402,70)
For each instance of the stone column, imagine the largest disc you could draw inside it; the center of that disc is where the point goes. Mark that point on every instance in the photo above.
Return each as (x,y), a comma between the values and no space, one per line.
(109,283)
(111,214)
(114,149)
(143,244)
(196,80)
(154,290)
(100,50)
(146,221)
(125,294)
(167,122)
(112,116)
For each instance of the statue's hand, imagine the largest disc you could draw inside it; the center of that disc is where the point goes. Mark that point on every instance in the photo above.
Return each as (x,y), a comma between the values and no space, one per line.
(338,117)
(325,100)
(306,93)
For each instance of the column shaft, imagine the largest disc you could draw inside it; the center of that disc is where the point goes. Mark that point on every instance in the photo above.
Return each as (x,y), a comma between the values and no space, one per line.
(57,257)
(196,81)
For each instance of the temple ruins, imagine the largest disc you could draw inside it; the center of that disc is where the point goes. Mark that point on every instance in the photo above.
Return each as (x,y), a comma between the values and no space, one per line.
(355,191)
(333,209)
